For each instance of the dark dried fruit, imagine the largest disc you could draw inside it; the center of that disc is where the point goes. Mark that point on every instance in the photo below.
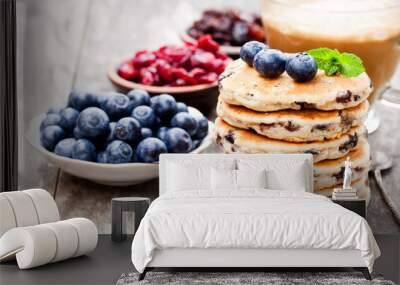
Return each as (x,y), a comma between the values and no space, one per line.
(292,127)
(344,98)
(351,143)
(230,137)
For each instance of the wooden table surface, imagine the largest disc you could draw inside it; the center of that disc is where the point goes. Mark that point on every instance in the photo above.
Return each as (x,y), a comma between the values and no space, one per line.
(70,44)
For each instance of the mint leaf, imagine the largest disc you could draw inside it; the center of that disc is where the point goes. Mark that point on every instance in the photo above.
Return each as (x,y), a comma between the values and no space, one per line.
(351,65)
(333,62)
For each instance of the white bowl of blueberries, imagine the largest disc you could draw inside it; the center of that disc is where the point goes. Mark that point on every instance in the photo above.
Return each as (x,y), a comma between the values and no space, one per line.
(116,139)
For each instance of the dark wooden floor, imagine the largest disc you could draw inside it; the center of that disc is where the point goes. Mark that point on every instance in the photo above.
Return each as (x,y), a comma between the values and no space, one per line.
(64,44)
(106,264)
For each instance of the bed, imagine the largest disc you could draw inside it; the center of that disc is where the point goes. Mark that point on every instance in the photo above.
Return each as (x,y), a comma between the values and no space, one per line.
(194,223)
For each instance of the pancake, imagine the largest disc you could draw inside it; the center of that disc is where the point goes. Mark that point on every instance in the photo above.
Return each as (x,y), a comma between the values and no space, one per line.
(361,185)
(242,85)
(328,173)
(290,125)
(235,140)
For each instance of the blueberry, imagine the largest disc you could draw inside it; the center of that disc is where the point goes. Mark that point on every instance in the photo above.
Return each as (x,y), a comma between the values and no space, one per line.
(146,133)
(50,136)
(78,133)
(54,110)
(84,150)
(93,122)
(145,116)
(128,129)
(79,99)
(301,67)
(149,150)
(202,128)
(102,99)
(118,106)
(102,157)
(50,120)
(196,144)
(161,133)
(249,50)
(270,63)
(69,116)
(65,147)
(181,107)
(111,132)
(178,140)
(139,97)
(119,152)
(185,121)
(164,106)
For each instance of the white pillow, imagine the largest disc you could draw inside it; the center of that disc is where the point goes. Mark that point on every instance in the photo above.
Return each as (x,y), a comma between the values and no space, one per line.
(185,175)
(282,174)
(223,179)
(251,178)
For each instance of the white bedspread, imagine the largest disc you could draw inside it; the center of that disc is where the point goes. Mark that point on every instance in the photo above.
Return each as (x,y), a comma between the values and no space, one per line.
(251,219)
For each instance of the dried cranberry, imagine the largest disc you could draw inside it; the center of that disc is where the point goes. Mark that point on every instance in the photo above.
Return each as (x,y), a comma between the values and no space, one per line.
(207,78)
(144,58)
(218,65)
(181,73)
(207,43)
(179,82)
(196,72)
(127,71)
(202,59)
(164,70)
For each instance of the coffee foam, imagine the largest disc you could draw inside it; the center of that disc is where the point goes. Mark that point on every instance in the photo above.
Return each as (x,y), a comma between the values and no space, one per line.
(359,19)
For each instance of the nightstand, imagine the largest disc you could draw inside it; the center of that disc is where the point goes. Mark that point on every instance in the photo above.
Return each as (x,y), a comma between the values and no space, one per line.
(138,205)
(357,206)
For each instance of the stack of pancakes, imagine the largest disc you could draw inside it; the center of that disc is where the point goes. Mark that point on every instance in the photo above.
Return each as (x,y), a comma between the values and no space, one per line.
(323,117)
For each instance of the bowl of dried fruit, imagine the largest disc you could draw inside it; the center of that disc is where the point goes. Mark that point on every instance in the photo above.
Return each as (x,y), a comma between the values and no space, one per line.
(188,72)
(230,28)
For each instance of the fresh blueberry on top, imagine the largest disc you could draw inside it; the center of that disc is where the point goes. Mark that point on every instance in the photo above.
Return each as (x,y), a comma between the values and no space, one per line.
(149,150)
(93,122)
(139,97)
(146,133)
(164,106)
(84,150)
(54,110)
(161,133)
(118,106)
(178,140)
(185,121)
(128,129)
(145,116)
(50,136)
(111,133)
(102,99)
(301,67)
(249,50)
(79,99)
(202,128)
(102,157)
(270,63)
(65,147)
(69,116)
(119,152)
(181,107)
(50,120)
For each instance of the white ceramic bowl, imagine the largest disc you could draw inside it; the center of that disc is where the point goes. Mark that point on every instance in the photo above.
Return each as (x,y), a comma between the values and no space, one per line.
(108,174)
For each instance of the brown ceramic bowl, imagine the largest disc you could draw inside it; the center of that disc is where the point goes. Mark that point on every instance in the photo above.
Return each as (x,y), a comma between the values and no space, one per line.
(201,96)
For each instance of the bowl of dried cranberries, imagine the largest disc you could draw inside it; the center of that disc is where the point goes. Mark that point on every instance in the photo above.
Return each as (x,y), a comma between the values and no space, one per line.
(230,28)
(188,72)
